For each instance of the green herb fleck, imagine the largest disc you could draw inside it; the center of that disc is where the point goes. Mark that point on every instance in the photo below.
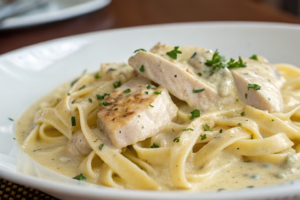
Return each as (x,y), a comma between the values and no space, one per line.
(176,139)
(105,103)
(101,97)
(127,90)
(117,84)
(203,137)
(250,186)
(188,129)
(246,95)
(251,136)
(199,74)
(148,87)
(154,146)
(238,64)
(221,131)
(80,177)
(36,150)
(248,161)
(142,69)
(90,100)
(10,119)
(81,87)
(195,113)
(254,86)
(116,109)
(243,113)
(197,91)
(112,69)
(240,124)
(221,189)
(101,146)
(193,55)
(139,50)
(73,120)
(272,120)
(173,53)
(254,57)
(146,92)
(97,75)
(151,105)
(157,92)
(69,94)
(73,82)
(206,128)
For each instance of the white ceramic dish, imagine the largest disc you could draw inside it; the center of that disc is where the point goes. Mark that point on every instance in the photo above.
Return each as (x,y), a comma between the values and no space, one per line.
(29,73)
(54,11)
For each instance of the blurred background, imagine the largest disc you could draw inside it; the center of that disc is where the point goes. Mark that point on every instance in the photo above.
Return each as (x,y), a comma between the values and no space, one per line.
(29,22)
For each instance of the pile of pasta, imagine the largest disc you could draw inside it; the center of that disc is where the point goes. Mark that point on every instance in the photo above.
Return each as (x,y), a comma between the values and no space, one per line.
(256,135)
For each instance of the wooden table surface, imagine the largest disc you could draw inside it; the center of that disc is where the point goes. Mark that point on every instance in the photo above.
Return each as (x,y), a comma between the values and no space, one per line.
(127,13)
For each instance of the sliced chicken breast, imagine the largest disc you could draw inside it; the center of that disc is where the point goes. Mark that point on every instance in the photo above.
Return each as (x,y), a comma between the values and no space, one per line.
(134,113)
(78,145)
(176,77)
(265,95)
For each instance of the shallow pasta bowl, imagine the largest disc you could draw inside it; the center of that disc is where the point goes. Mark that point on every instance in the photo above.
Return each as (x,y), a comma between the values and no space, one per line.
(29,73)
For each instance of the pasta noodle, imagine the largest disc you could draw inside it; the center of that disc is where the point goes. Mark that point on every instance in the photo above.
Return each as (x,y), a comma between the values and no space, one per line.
(226,135)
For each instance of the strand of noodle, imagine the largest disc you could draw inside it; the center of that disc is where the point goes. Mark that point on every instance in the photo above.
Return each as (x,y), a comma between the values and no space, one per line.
(131,173)
(47,115)
(257,147)
(31,136)
(47,138)
(291,84)
(105,175)
(247,124)
(288,71)
(286,116)
(180,152)
(270,123)
(85,167)
(214,147)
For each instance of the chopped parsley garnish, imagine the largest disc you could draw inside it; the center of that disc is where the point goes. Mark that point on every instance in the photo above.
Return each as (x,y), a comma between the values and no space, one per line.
(238,64)
(142,69)
(80,177)
(105,103)
(148,87)
(90,100)
(139,50)
(36,150)
(97,75)
(112,69)
(243,113)
(193,55)
(206,127)
(100,104)
(176,139)
(254,57)
(246,95)
(216,59)
(127,90)
(116,109)
(173,53)
(195,113)
(117,84)
(247,160)
(251,136)
(154,146)
(69,94)
(84,71)
(188,129)
(272,120)
(146,92)
(73,120)
(199,74)
(151,105)
(101,97)
(199,90)
(221,131)
(240,124)
(246,73)
(254,86)
(157,92)
(142,127)
(221,189)
(81,87)
(73,82)
(251,186)
(203,137)
(101,146)
(10,119)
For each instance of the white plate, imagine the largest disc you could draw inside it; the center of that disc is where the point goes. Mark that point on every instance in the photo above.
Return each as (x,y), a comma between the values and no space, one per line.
(29,73)
(54,11)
